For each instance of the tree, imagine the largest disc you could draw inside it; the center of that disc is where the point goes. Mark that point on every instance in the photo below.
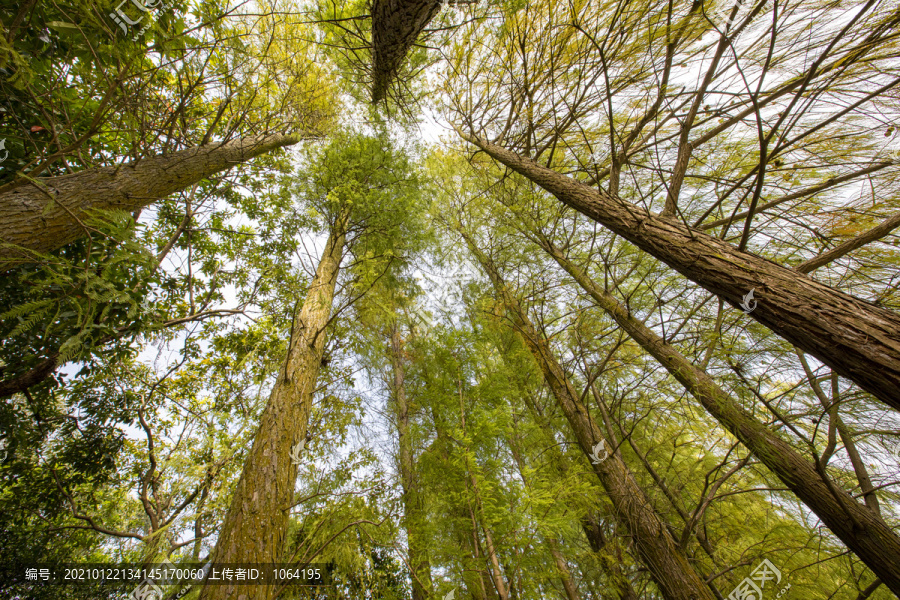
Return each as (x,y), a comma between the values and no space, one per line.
(868,536)
(45,214)
(359,185)
(395,26)
(553,86)
(668,566)
(846,333)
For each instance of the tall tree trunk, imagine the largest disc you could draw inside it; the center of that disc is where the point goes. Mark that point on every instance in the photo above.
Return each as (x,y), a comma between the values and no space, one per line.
(496,572)
(395,26)
(861,529)
(564,574)
(667,563)
(413,508)
(255,525)
(591,521)
(593,531)
(855,338)
(47,213)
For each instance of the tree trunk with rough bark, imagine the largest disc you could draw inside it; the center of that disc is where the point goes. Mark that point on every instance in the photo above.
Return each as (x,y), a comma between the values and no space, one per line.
(860,528)
(395,26)
(414,513)
(855,338)
(47,213)
(496,572)
(565,574)
(255,525)
(667,563)
(593,531)
(590,522)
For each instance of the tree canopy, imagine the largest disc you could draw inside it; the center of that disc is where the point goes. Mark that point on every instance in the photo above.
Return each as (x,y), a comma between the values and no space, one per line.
(491,299)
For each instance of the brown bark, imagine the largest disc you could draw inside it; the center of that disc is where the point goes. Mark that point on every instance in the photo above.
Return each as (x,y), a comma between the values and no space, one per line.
(590,522)
(564,574)
(19,383)
(413,508)
(593,531)
(855,338)
(496,573)
(255,525)
(876,233)
(395,26)
(667,563)
(861,529)
(47,213)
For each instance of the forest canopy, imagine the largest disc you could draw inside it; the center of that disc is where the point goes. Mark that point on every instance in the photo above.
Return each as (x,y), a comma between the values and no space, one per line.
(444,299)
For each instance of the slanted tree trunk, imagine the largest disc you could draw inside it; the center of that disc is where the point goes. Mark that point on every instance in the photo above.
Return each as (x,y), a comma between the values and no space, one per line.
(590,522)
(564,574)
(855,338)
(667,563)
(860,528)
(414,513)
(49,212)
(255,525)
(593,531)
(395,26)
(496,572)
